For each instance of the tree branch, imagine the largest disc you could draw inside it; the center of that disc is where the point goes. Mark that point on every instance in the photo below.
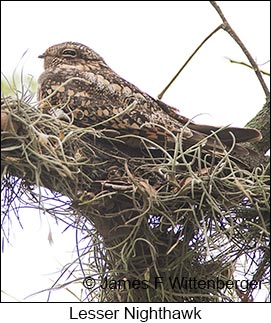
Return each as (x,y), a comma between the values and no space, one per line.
(261,122)
(187,61)
(155,214)
(227,27)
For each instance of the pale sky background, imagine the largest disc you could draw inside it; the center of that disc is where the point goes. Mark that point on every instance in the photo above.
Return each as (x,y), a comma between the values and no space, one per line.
(146,43)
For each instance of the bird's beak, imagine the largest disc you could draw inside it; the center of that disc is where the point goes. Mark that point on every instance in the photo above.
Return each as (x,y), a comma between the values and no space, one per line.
(42,55)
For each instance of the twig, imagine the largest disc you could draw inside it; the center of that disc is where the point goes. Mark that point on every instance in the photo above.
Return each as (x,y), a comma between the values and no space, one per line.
(245,64)
(188,60)
(226,26)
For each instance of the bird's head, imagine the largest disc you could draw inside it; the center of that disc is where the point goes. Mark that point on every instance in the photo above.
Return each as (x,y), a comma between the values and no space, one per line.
(69,53)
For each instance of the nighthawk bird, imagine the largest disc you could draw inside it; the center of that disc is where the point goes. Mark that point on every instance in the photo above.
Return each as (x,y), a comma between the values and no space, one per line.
(78,81)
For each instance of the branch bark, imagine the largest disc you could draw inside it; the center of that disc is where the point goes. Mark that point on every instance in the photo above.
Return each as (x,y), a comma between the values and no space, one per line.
(262,122)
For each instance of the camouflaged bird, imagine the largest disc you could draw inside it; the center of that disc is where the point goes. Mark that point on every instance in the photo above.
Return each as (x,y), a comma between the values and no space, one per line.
(78,81)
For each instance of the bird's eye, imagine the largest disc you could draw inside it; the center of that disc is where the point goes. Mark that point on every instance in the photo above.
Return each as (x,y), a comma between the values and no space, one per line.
(69,53)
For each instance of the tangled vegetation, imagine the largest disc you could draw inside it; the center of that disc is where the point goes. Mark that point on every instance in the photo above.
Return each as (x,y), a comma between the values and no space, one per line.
(148,215)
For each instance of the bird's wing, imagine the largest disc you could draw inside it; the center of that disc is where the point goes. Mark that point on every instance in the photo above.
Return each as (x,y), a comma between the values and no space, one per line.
(106,100)
(225,134)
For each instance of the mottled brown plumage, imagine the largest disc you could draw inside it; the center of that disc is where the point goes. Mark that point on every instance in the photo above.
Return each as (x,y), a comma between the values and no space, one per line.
(77,80)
